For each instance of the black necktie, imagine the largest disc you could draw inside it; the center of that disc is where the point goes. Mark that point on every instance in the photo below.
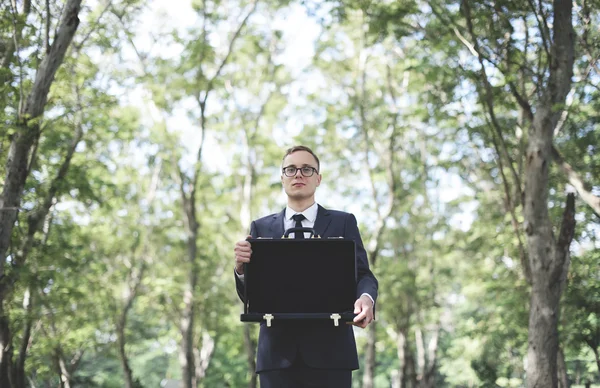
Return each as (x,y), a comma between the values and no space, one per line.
(298,218)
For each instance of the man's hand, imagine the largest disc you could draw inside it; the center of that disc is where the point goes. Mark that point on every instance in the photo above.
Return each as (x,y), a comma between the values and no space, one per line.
(242,255)
(364,308)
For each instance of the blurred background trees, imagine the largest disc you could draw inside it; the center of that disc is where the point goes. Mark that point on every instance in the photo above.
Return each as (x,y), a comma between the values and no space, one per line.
(141,138)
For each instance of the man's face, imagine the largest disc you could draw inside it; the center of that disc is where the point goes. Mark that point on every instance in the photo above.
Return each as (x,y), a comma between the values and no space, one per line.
(299,186)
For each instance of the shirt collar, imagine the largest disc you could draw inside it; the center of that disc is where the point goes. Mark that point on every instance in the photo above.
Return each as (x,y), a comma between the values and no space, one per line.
(310,213)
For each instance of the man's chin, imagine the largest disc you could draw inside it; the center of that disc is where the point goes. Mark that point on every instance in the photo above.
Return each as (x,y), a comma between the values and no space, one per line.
(298,195)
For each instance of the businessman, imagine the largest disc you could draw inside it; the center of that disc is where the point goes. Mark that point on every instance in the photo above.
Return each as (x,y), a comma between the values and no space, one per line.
(317,354)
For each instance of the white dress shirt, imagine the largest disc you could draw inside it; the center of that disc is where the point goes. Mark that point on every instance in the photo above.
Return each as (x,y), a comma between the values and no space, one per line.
(310,216)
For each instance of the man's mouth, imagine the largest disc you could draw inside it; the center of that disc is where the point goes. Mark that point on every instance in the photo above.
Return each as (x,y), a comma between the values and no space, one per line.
(298,184)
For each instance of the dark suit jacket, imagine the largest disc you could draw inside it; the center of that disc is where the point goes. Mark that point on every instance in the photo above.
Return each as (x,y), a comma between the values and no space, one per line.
(320,344)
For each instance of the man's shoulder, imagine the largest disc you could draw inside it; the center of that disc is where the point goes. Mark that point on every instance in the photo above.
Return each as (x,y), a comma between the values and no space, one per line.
(338,213)
(268,218)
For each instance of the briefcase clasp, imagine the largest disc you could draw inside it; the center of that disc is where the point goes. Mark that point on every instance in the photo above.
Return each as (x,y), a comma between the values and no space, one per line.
(269,318)
(336,319)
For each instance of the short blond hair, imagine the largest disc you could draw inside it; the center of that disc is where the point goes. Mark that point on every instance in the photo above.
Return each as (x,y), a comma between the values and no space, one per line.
(302,148)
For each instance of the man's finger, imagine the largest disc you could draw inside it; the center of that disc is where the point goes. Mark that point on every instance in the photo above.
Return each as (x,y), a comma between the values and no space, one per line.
(360,316)
(361,324)
(358,306)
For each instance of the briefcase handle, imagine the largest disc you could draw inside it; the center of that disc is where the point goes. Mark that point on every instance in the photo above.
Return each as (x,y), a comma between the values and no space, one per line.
(303,230)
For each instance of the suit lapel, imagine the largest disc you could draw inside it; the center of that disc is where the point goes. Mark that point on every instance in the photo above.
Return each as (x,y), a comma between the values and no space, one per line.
(322,221)
(277,224)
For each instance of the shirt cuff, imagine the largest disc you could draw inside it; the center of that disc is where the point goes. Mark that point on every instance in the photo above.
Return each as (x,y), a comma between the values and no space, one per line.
(241,277)
(364,293)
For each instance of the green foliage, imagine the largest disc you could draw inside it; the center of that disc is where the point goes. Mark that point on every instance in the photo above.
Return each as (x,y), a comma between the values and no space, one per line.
(395,89)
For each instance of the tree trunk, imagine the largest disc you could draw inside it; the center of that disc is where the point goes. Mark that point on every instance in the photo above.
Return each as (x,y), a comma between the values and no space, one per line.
(426,358)
(597,355)
(563,379)
(6,350)
(420,345)
(401,343)
(203,355)
(17,170)
(127,373)
(19,379)
(135,279)
(428,380)
(394,382)
(369,375)
(549,266)
(187,322)
(62,369)
(548,258)
(410,374)
(65,375)
(186,351)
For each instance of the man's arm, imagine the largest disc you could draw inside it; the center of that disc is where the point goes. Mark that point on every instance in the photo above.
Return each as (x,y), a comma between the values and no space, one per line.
(241,256)
(366,283)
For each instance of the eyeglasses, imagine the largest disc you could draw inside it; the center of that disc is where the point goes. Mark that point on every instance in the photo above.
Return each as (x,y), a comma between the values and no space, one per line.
(291,171)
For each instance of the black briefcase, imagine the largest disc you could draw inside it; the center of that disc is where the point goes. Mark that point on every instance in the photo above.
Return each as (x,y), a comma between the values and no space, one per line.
(295,279)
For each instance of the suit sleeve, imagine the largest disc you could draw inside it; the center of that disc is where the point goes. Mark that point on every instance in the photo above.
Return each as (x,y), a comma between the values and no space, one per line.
(239,285)
(365,280)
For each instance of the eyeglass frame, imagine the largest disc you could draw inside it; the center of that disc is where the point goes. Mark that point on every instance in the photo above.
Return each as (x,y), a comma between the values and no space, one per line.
(314,170)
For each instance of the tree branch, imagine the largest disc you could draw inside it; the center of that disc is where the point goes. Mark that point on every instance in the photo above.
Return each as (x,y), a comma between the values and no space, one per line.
(542,25)
(488,101)
(202,100)
(525,106)
(230,49)
(510,205)
(562,58)
(36,101)
(562,254)
(567,227)
(36,218)
(94,26)
(577,181)
(47,36)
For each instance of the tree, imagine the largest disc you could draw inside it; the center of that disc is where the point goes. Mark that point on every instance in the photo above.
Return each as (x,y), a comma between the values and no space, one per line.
(547,260)
(26,133)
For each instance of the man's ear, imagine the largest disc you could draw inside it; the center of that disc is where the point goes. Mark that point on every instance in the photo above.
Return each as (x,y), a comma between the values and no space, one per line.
(319,179)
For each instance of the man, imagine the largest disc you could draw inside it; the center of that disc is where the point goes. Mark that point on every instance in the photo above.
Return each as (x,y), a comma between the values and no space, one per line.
(308,354)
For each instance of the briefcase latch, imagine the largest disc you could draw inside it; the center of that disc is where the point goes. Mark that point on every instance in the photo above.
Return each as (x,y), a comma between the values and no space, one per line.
(269,318)
(336,319)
